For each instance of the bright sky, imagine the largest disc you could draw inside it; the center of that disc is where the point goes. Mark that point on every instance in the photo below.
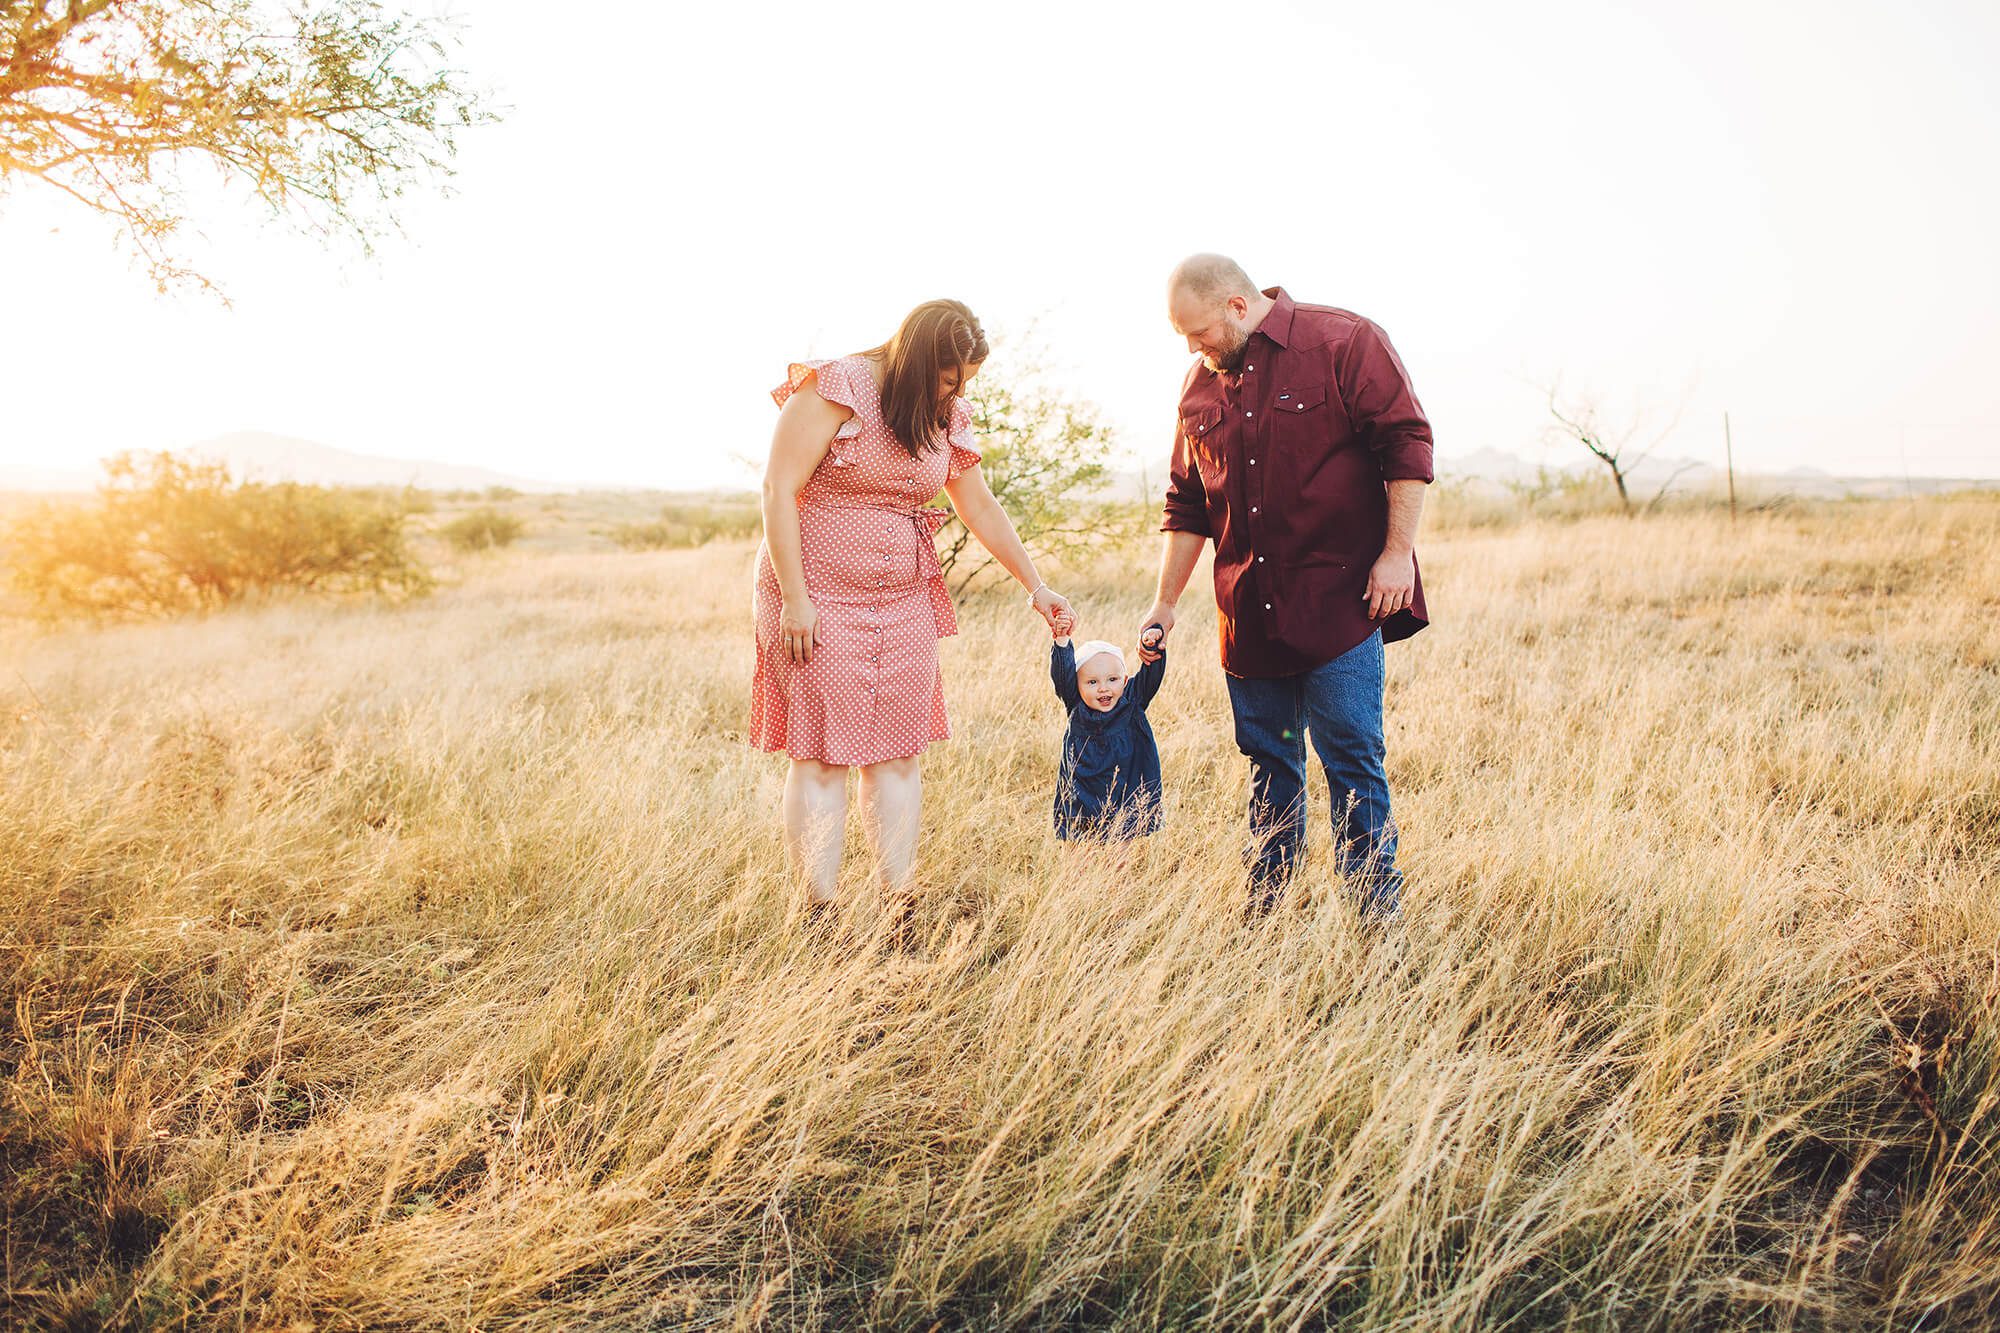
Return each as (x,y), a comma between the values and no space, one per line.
(1784,211)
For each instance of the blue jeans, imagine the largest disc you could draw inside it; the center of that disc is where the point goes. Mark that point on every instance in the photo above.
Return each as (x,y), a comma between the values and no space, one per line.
(1340,705)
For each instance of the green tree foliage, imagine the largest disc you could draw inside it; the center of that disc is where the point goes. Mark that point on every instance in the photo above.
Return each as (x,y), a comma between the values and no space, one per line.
(323,111)
(1043,457)
(167,535)
(484,529)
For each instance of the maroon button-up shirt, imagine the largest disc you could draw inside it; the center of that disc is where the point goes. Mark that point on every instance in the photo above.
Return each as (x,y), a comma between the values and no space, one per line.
(1284,466)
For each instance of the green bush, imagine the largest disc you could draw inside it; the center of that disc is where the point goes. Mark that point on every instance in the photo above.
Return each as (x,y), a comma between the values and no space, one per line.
(484,529)
(689,525)
(168,535)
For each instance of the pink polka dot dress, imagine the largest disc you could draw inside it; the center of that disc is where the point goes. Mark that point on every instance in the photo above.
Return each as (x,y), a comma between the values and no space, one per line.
(872,691)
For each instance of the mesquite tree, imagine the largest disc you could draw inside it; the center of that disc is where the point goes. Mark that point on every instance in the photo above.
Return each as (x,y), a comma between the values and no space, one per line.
(1621,448)
(1043,456)
(323,109)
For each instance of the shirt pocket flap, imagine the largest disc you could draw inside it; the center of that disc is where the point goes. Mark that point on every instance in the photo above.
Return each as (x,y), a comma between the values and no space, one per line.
(1200,421)
(1300,398)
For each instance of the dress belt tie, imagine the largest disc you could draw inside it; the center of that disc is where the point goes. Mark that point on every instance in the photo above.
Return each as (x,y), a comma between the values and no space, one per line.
(928,521)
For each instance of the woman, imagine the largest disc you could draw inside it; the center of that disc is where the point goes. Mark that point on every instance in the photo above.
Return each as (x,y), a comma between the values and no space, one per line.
(850,601)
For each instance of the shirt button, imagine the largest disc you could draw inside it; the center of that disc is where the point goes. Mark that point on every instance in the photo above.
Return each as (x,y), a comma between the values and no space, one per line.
(1249,414)
(1248,369)
(1260,559)
(1267,606)
(1253,509)
(1253,462)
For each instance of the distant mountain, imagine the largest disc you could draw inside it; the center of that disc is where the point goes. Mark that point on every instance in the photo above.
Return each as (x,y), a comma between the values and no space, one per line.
(1496,469)
(1492,465)
(261,456)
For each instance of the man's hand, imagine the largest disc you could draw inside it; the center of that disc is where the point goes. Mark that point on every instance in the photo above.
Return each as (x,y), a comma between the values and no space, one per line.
(1392,582)
(1161,615)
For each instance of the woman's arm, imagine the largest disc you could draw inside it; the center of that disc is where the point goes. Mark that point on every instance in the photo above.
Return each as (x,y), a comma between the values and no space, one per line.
(982,514)
(806,426)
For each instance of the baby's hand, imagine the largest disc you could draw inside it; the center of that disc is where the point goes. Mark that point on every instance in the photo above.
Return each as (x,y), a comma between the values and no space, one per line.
(1152,636)
(1064,624)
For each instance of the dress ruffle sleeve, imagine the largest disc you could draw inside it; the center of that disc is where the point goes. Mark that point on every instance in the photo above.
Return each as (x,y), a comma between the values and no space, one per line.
(959,437)
(833,381)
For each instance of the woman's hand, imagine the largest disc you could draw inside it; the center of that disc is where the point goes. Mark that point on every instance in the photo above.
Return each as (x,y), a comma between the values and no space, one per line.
(1053,607)
(798,628)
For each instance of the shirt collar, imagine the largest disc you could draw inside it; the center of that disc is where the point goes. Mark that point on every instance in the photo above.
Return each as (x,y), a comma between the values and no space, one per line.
(1277,325)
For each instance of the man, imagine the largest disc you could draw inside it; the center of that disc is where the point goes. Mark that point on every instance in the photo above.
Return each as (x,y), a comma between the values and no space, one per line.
(1303,454)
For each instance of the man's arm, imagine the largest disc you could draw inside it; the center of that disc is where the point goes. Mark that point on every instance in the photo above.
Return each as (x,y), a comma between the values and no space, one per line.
(1392,582)
(1386,414)
(1179,554)
(1376,390)
(1185,521)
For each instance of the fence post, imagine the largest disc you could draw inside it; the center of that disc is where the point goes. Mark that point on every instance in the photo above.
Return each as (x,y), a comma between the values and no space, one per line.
(1729,455)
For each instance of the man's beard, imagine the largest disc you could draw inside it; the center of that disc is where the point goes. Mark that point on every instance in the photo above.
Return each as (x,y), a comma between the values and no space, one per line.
(1231,362)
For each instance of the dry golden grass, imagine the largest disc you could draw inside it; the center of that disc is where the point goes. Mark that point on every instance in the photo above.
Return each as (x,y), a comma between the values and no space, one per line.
(434,967)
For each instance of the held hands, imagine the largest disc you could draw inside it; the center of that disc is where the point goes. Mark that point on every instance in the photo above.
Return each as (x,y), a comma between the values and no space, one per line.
(1392,582)
(1053,607)
(798,629)
(1153,631)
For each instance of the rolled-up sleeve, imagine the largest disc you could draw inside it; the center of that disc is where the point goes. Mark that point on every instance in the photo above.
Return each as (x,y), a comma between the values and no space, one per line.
(1187,502)
(1383,405)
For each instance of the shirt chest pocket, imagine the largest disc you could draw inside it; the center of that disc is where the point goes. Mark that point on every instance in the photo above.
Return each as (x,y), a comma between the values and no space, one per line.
(1201,429)
(1300,412)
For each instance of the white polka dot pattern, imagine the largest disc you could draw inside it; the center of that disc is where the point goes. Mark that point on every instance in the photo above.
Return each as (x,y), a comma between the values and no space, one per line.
(872,690)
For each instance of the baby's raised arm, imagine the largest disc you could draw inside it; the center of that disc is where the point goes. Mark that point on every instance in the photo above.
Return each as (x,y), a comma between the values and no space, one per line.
(1062,672)
(1146,680)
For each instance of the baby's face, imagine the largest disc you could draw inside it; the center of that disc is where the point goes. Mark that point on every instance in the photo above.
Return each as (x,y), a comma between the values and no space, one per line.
(1100,681)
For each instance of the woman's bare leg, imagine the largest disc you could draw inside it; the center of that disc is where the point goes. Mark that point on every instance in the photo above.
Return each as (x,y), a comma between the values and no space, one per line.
(816,825)
(892,808)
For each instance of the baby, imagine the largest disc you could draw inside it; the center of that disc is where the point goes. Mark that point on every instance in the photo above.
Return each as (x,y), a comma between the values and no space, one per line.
(1109,784)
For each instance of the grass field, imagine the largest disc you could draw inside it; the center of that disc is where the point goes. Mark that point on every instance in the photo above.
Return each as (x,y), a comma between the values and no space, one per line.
(434,966)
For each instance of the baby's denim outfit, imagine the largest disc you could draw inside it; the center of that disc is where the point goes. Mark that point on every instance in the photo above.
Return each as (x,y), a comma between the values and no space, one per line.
(1109,784)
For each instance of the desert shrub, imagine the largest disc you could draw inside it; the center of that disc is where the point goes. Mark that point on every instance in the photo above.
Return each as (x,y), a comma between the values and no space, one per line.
(168,535)
(500,493)
(1043,457)
(689,524)
(654,535)
(484,529)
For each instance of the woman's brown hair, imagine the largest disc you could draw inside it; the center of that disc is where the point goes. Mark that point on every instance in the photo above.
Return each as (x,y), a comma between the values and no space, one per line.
(933,338)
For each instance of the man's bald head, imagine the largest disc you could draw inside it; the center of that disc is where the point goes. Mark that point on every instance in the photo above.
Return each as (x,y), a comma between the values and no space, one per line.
(1210,279)
(1214,305)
